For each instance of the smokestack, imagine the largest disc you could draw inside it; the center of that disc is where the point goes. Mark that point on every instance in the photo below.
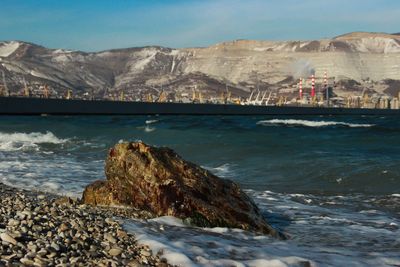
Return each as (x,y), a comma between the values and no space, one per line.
(312,86)
(301,88)
(326,87)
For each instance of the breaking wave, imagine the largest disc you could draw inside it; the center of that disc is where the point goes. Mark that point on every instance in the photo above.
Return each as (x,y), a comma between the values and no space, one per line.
(224,170)
(308,123)
(18,141)
(151,121)
(298,215)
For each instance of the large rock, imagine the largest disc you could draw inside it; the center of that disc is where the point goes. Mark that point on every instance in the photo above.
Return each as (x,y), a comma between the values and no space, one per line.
(161,182)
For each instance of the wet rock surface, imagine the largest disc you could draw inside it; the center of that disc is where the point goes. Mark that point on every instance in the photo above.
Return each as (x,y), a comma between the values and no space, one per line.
(159,181)
(45,230)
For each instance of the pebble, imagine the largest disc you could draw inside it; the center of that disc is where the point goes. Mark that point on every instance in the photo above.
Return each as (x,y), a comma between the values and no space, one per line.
(109,221)
(6,237)
(42,252)
(39,262)
(55,246)
(134,263)
(13,222)
(122,234)
(62,228)
(27,261)
(115,251)
(110,238)
(145,253)
(32,247)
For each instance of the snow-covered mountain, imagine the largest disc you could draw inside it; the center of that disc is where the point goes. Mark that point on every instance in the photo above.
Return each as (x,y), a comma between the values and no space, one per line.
(355,61)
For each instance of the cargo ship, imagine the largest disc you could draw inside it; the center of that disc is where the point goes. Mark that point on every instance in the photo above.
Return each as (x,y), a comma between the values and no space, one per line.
(52,106)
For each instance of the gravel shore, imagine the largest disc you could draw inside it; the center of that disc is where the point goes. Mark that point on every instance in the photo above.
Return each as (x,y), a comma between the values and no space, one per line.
(39,229)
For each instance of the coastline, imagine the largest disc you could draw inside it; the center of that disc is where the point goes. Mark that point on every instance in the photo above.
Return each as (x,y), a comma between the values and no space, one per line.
(42,229)
(53,106)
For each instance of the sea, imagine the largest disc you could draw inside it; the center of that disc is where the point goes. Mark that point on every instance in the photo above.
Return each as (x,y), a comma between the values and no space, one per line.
(330,183)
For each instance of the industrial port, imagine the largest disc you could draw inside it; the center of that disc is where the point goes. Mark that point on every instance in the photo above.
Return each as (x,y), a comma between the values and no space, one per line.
(312,91)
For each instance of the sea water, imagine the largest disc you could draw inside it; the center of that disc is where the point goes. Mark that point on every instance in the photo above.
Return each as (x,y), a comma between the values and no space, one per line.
(331,183)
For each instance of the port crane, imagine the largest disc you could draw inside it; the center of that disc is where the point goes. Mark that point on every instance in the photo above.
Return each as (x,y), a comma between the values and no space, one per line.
(121,96)
(268,99)
(69,94)
(6,92)
(248,100)
(226,96)
(149,98)
(196,95)
(47,92)
(162,97)
(27,92)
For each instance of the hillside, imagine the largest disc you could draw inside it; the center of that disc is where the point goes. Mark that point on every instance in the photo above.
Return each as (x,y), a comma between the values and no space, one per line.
(355,61)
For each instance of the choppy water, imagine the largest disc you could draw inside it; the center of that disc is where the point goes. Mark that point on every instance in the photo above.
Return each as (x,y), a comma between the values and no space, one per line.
(331,183)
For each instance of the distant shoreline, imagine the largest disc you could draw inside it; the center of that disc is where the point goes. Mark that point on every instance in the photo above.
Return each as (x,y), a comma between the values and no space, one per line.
(40,106)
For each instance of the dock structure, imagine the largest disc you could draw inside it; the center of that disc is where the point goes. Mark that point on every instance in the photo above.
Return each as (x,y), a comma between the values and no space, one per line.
(38,106)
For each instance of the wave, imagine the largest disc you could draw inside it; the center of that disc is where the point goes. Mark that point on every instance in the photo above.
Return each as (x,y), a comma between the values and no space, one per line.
(191,246)
(308,123)
(224,170)
(148,129)
(151,121)
(21,141)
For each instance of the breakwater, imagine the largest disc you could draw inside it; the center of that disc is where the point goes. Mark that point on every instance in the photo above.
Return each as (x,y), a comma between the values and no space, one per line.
(38,106)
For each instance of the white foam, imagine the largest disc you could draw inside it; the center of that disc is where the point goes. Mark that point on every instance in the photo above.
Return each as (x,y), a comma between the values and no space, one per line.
(148,129)
(159,243)
(21,141)
(151,121)
(168,220)
(49,173)
(191,246)
(309,123)
(223,170)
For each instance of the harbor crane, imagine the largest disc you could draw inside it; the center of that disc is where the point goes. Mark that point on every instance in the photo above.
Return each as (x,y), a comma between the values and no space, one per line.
(6,92)
(27,92)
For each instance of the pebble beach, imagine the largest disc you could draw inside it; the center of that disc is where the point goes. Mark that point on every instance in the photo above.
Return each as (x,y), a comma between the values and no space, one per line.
(40,229)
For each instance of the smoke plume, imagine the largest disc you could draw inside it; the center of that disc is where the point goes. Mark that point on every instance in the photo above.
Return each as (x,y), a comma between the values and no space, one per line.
(301,69)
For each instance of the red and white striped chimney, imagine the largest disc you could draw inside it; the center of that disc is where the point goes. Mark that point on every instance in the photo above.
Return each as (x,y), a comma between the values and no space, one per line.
(312,85)
(301,88)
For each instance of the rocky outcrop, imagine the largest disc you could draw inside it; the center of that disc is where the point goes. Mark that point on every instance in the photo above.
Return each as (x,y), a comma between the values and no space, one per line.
(161,182)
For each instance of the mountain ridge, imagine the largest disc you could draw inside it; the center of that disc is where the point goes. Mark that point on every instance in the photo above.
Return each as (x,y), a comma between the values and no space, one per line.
(370,59)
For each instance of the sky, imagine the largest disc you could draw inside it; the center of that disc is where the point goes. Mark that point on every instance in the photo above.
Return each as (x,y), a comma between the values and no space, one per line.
(95,25)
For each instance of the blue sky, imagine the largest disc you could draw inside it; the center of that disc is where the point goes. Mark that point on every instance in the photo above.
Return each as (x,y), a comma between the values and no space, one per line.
(93,25)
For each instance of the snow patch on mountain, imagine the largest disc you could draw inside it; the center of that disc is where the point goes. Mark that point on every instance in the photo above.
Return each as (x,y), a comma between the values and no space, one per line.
(145,57)
(62,58)
(8,48)
(62,51)
(377,45)
(40,75)
(13,68)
